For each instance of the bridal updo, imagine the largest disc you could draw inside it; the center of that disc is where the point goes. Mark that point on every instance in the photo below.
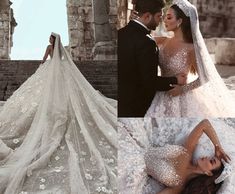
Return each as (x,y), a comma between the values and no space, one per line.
(186,25)
(204,184)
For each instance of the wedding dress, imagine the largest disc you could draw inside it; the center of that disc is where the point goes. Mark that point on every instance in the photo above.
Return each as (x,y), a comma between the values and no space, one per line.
(149,146)
(58,134)
(206,95)
(161,163)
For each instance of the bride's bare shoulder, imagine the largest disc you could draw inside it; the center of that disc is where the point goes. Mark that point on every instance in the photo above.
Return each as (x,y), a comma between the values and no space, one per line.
(160,40)
(189,46)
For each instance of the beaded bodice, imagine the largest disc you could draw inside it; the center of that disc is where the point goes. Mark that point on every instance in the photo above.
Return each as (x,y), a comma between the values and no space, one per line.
(161,164)
(173,64)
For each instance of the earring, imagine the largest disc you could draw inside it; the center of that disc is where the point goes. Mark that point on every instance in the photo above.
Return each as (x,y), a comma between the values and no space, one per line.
(178,25)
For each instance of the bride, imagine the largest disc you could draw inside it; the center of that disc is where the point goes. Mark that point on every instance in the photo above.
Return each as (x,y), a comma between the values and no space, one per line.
(57,133)
(182,158)
(185,177)
(186,52)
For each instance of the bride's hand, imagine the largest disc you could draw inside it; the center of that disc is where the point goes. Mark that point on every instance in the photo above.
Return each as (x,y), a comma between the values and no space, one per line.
(181,78)
(134,15)
(219,152)
(176,91)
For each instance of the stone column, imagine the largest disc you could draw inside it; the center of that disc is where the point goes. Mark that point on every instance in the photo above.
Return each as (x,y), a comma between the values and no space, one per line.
(92,29)
(7,24)
(105,20)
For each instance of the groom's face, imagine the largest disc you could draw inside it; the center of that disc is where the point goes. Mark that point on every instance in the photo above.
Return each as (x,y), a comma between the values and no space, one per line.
(154,20)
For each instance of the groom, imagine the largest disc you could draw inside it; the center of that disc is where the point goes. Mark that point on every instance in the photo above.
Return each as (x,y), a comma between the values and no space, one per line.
(138,62)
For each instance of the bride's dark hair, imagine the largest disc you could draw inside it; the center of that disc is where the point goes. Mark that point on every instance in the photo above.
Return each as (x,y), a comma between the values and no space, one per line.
(53,44)
(186,25)
(204,184)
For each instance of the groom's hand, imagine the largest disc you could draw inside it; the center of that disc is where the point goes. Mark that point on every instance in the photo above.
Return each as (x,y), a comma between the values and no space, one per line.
(176,91)
(181,78)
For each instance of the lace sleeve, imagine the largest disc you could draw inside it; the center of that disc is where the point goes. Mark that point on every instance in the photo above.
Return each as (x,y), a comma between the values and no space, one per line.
(192,85)
(191,59)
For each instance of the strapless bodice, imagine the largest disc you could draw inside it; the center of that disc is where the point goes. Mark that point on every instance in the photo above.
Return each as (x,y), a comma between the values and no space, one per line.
(161,163)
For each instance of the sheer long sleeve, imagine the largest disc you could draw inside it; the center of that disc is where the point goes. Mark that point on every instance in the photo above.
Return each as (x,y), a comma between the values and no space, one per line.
(193,64)
(192,85)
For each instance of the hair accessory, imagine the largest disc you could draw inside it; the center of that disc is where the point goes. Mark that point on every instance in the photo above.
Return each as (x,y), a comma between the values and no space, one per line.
(228,169)
(184,5)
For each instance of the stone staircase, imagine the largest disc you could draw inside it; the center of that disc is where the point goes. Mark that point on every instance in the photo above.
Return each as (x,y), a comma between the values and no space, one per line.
(101,74)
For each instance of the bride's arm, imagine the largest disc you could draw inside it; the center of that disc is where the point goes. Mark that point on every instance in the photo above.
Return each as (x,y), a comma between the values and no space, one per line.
(46,53)
(191,60)
(204,127)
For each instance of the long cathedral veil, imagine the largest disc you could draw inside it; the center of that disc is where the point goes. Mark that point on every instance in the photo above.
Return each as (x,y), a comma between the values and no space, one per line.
(57,126)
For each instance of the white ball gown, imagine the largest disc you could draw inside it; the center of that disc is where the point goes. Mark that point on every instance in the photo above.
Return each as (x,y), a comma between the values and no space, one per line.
(58,134)
(136,136)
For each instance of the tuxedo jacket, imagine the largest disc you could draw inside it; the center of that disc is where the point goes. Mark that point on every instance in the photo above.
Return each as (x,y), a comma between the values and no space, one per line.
(138,80)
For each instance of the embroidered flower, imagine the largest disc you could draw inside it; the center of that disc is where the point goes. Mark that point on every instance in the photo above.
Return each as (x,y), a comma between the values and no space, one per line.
(57,158)
(43,180)
(88,176)
(15,141)
(42,186)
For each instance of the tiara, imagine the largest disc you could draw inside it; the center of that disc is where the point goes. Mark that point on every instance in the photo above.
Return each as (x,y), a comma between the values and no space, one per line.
(228,169)
(184,5)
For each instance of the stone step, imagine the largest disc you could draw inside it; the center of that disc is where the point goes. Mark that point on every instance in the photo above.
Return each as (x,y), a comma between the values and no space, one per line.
(101,74)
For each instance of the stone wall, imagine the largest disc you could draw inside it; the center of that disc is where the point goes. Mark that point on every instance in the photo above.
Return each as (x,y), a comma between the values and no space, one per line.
(92,29)
(222,50)
(217,17)
(7,24)
(101,74)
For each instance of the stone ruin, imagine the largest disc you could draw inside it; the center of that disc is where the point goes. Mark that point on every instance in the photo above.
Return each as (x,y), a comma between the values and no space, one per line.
(92,29)
(7,25)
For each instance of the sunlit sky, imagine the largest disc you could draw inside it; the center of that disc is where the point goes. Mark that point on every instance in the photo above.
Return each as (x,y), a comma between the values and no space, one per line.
(36,20)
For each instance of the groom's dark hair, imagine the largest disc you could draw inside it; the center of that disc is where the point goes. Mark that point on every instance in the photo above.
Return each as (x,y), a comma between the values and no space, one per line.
(152,6)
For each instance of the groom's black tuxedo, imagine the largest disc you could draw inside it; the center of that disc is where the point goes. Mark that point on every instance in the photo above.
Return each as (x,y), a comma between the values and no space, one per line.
(137,71)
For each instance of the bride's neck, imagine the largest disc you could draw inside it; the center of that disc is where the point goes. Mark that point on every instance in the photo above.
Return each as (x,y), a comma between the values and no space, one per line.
(193,171)
(178,34)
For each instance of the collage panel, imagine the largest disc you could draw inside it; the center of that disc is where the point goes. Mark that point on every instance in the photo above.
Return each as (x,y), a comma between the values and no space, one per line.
(170,64)
(176,155)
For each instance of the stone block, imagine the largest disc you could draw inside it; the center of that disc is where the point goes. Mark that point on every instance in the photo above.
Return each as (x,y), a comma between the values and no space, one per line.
(223,50)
